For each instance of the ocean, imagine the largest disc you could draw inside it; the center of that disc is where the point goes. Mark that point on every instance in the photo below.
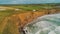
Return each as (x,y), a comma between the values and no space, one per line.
(48,24)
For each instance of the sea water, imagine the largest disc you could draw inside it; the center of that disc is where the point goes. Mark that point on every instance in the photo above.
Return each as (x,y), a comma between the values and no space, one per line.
(48,24)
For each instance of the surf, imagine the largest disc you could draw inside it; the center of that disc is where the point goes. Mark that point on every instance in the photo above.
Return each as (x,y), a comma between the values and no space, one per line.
(48,24)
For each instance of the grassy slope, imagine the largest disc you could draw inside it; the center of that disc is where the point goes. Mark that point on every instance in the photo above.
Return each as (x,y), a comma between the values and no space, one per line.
(5,24)
(8,26)
(3,15)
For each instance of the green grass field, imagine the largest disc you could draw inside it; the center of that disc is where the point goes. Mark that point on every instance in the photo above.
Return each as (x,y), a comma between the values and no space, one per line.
(32,7)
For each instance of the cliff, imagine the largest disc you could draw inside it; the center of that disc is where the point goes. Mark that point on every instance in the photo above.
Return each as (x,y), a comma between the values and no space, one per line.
(12,24)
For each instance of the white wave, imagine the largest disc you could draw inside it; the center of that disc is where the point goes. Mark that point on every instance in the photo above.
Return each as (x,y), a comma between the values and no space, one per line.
(48,24)
(52,32)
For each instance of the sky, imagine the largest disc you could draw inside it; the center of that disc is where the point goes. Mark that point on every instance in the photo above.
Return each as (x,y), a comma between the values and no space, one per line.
(28,1)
